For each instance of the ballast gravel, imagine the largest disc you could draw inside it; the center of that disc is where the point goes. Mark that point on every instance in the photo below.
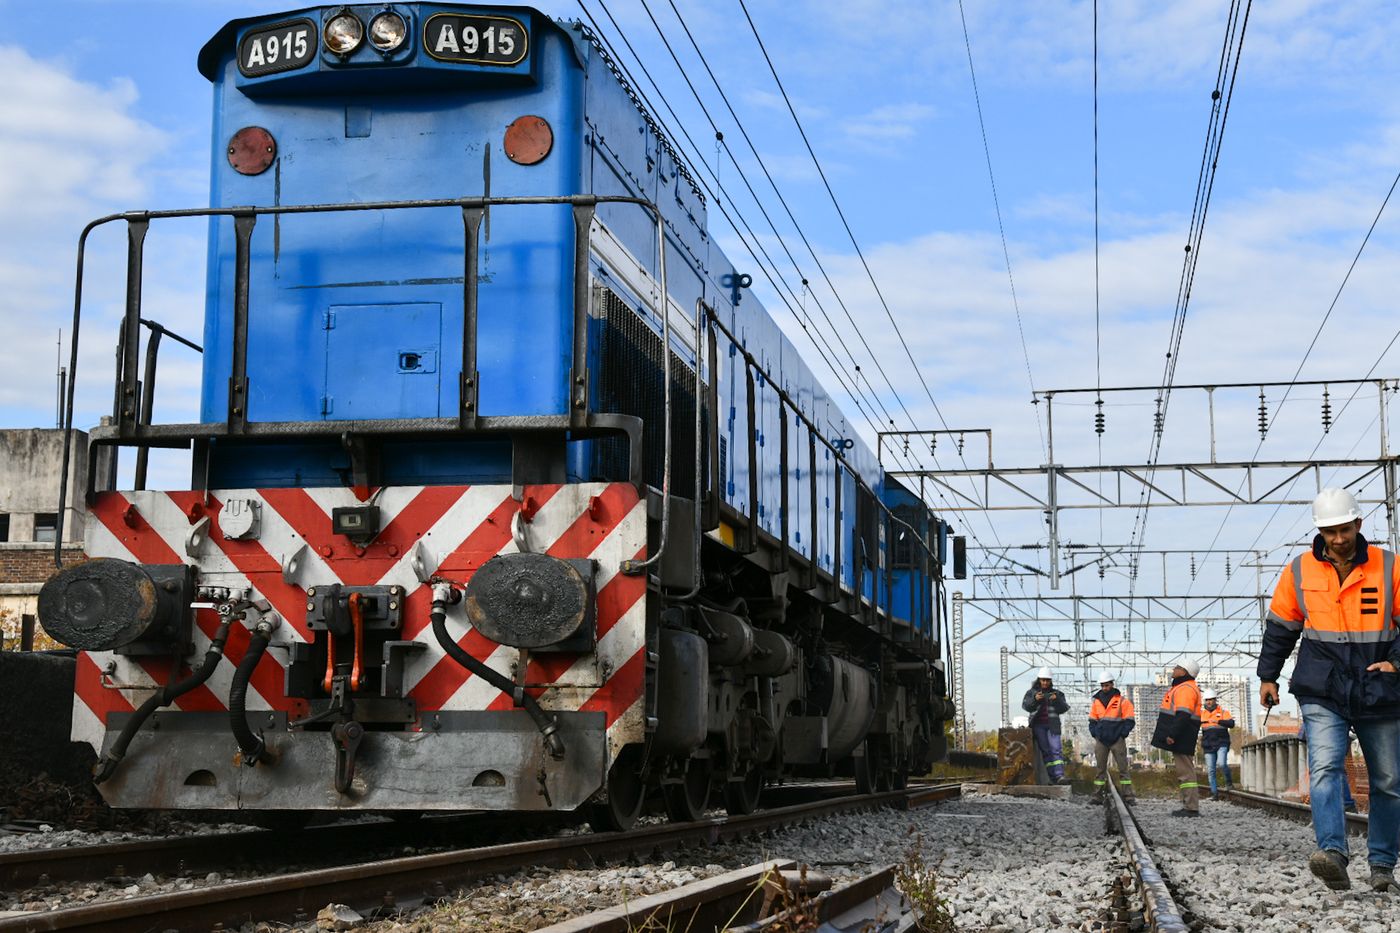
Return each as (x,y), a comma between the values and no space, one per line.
(1005,864)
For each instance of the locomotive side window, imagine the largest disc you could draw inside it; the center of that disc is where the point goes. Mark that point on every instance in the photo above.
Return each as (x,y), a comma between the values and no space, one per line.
(283,47)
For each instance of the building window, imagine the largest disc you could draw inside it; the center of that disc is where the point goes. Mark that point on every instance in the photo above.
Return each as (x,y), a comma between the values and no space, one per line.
(45,526)
(4,526)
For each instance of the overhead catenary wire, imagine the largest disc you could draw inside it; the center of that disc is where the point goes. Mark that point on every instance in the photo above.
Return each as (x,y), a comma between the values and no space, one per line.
(1317,333)
(845,224)
(782,201)
(1232,49)
(798,311)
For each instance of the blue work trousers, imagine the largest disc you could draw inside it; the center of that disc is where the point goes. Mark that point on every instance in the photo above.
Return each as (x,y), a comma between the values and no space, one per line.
(1219,758)
(1051,751)
(1327,749)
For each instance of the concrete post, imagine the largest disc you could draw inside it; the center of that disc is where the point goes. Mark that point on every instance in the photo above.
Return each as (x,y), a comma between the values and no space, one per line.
(1246,757)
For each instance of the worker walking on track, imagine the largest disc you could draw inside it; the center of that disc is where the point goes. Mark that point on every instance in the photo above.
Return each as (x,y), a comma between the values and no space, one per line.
(1046,705)
(1178,725)
(1110,721)
(1342,599)
(1216,723)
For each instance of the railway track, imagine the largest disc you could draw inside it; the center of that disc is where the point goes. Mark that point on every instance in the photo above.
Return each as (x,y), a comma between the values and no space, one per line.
(1300,812)
(1160,909)
(383,887)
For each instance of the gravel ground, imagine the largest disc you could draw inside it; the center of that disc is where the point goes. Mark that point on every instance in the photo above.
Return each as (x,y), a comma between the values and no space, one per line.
(1005,864)
(52,837)
(1238,869)
(1043,865)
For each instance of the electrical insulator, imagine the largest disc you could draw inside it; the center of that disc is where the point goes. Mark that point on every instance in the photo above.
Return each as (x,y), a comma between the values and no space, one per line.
(1158,419)
(1227,566)
(932,444)
(1101,571)
(1263,414)
(906,445)
(961,439)
(1326,411)
(1098,417)
(1193,566)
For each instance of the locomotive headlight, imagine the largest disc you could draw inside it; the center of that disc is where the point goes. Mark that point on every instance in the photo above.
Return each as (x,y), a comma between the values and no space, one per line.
(343,33)
(387,31)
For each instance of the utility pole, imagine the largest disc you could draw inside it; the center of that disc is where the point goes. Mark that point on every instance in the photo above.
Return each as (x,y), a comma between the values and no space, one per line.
(1005,700)
(959,690)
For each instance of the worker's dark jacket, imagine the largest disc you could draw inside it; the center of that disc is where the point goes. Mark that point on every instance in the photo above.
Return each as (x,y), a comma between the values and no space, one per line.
(1179,718)
(1052,706)
(1345,627)
(1111,716)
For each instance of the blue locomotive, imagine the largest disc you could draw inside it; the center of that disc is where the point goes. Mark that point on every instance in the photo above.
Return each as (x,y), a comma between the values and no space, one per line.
(505,494)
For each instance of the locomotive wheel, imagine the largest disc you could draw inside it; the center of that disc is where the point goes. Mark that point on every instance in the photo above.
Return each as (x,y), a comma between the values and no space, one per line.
(626,792)
(687,800)
(741,797)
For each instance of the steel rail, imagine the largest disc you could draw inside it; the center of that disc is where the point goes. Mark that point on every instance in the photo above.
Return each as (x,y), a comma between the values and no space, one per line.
(1300,812)
(1163,915)
(205,852)
(171,855)
(420,878)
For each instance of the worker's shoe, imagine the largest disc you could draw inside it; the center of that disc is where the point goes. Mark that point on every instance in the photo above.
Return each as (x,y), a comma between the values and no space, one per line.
(1182,811)
(1383,879)
(1331,868)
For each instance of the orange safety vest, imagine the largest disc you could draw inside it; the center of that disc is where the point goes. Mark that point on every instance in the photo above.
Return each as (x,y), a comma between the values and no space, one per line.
(1118,708)
(1210,717)
(1184,696)
(1310,599)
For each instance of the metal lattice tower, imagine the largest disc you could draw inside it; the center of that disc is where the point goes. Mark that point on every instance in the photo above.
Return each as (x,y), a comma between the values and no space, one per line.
(959,684)
(1005,700)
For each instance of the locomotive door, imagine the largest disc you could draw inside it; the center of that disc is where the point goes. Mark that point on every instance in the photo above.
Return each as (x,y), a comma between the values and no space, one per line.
(382,361)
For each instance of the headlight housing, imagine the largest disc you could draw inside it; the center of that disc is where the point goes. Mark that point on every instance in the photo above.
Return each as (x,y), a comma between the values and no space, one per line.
(343,33)
(387,31)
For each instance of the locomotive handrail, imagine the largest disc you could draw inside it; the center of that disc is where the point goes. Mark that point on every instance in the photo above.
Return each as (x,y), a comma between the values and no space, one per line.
(245,217)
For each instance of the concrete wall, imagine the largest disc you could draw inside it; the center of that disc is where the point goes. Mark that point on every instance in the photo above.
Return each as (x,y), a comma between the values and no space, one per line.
(30,463)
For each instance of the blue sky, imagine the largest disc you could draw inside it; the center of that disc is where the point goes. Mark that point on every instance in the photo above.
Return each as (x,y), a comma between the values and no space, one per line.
(105,111)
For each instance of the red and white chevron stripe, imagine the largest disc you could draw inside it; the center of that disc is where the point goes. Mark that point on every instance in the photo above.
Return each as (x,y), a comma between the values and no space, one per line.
(460,527)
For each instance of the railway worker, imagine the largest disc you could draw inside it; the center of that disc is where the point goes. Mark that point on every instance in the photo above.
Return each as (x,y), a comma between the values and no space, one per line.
(1178,725)
(1046,705)
(1110,721)
(1216,723)
(1341,598)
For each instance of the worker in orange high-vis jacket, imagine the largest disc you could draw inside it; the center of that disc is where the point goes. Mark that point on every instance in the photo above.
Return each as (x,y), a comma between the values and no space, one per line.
(1342,599)
(1216,723)
(1178,725)
(1110,721)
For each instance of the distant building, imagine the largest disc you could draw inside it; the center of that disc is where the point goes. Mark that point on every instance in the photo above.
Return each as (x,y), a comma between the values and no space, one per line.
(30,462)
(1283,724)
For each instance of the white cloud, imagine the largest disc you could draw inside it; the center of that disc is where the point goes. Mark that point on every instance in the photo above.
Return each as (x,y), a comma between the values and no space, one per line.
(74,151)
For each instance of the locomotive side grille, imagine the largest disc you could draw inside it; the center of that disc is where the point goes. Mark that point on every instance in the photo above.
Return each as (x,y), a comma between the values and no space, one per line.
(630,380)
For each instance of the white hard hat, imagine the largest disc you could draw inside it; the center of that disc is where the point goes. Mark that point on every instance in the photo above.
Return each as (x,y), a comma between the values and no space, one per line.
(1045,673)
(1105,677)
(1334,507)
(1207,694)
(1191,667)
